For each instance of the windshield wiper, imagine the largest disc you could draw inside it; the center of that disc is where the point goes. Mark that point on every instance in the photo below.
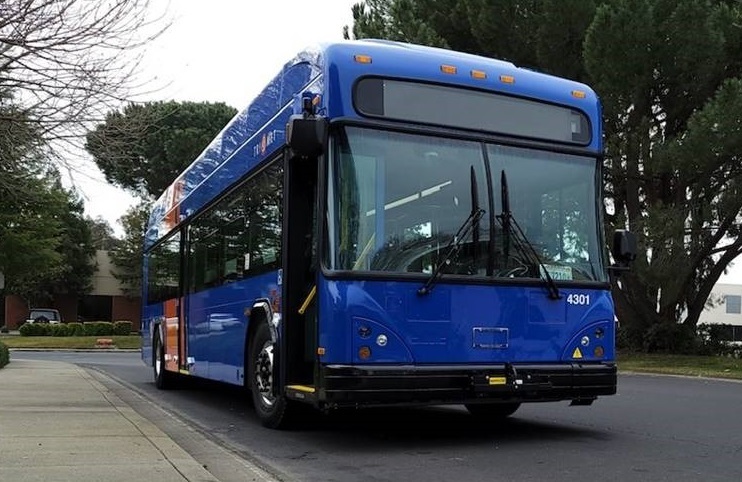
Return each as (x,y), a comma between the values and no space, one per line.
(474,192)
(452,249)
(510,227)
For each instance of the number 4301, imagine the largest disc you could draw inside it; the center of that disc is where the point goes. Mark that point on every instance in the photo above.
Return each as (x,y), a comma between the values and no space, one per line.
(578,299)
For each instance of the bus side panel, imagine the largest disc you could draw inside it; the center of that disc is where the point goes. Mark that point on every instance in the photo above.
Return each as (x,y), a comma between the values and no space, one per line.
(464,324)
(217,328)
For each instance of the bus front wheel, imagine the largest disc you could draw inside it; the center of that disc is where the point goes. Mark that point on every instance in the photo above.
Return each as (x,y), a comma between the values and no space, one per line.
(272,407)
(492,412)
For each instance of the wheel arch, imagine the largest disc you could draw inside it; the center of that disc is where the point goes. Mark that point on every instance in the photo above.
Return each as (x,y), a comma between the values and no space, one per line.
(260,312)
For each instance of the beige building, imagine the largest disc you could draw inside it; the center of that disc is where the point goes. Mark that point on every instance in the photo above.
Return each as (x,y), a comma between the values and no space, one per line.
(725,309)
(106,302)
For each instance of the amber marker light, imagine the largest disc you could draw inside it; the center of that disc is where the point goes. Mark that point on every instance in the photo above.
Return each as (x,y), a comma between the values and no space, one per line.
(598,352)
(362,59)
(364,353)
(479,74)
(448,69)
(578,94)
(507,79)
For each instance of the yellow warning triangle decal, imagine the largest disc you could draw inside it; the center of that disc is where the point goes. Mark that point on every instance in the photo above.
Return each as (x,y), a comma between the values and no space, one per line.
(577,353)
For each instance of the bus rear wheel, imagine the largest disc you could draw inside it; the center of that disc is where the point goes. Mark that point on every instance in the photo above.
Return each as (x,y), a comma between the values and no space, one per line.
(492,412)
(273,409)
(163,379)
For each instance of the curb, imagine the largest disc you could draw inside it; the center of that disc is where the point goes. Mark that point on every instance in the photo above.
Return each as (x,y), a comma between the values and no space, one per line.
(181,460)
(675,375)
(233,465)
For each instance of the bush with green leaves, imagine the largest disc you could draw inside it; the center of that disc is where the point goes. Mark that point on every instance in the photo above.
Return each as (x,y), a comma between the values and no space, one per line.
(90,328)
(35,329)
(98,328)
(714,339)
(4,355)
(122,327)
(59,330)
(75,329)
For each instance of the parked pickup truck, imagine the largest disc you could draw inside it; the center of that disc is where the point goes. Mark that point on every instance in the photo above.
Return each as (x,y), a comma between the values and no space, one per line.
(43,315)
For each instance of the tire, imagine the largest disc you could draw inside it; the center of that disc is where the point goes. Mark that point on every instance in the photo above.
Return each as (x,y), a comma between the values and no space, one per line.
(273,410)
(164,380)
(492,412)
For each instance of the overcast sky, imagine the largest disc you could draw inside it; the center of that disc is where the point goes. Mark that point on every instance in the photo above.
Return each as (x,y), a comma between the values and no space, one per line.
(227,50)
(218,50)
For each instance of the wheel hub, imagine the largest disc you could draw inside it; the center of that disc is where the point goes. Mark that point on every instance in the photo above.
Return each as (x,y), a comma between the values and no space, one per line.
(158,361)
(264,374)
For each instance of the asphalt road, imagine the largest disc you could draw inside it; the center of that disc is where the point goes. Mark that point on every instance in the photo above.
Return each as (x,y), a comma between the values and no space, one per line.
(656,428)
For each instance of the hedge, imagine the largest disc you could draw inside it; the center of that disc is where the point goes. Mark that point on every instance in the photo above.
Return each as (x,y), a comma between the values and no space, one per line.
(59,330)
(91,328)
(98,328)
(4,355)
(35,329)
(75,329)
(122,327)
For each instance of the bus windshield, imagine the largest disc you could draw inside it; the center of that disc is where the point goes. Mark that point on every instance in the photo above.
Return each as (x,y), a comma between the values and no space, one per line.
(397,200)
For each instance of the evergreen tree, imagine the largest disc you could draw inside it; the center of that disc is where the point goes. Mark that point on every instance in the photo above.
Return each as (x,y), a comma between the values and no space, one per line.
(668,73)
(128,254)
(145,146)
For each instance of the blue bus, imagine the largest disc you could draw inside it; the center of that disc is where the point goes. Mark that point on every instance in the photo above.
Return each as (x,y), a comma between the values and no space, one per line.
(391,224)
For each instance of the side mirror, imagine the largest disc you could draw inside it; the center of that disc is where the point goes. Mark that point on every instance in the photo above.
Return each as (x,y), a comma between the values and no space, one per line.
(624,247)
(306,135)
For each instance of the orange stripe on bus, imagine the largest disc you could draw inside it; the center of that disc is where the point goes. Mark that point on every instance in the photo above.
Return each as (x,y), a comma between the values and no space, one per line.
(171,308)
(171,334)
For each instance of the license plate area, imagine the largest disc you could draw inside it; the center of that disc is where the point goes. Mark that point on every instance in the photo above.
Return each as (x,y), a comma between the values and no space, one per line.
(490,338)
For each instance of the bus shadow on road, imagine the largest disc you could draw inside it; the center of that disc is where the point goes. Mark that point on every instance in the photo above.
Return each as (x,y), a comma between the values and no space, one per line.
(372,428)
(436,425)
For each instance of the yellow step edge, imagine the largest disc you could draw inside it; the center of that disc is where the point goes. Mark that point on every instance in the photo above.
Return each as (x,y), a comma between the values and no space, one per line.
(301,388)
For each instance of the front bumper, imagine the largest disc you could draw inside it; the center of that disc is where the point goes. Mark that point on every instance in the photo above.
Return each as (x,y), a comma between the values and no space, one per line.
(357,385)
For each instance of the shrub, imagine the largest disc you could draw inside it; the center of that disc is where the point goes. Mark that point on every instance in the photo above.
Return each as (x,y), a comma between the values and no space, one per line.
(75,329)
(98,328)
(4,355)
(35,329)
(713,339)
(4,329)
(122,327)
(59,330)
(670,337)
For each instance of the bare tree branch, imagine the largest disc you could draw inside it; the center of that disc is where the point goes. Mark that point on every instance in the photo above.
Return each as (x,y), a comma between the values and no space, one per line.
(69,61)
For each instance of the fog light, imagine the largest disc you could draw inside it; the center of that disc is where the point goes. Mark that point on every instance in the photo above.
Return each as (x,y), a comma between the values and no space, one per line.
(364,353)
(598,352)
(585,340)
(381,340)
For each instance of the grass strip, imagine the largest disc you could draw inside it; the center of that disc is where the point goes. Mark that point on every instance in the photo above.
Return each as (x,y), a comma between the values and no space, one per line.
(67,342)
(694,366)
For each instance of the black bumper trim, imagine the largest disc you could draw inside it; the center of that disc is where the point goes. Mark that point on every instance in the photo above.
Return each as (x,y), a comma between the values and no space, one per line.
(343,385)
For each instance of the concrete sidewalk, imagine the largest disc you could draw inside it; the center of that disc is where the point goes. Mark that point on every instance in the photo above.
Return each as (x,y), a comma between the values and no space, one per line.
(58,423)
